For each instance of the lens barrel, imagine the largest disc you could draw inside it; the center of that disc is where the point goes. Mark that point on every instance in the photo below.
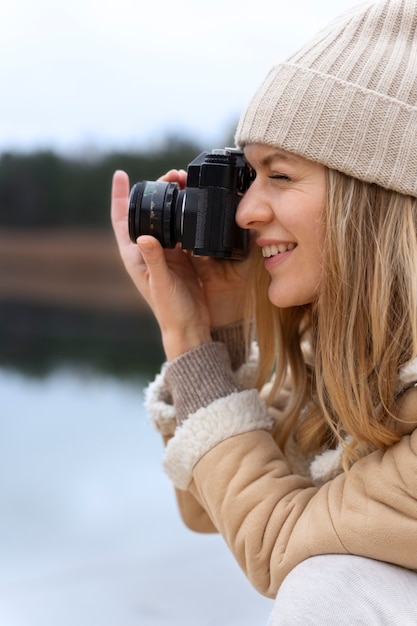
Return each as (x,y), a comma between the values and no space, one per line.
(152,211)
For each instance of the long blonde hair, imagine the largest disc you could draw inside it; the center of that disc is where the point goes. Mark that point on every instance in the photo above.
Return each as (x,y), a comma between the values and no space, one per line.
(362,328)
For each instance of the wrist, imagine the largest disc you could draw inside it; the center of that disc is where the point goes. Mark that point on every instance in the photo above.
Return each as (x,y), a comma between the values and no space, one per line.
(177,343)
(225,307)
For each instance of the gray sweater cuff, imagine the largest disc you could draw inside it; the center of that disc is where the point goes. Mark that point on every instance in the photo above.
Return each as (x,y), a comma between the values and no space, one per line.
(233,336)
(198,377)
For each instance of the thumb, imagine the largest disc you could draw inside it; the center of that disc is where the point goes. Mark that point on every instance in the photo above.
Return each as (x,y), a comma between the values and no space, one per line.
(154,259)
(148,246)
(158,282)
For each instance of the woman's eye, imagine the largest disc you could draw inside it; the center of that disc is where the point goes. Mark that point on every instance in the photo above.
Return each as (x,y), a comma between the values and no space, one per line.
(279,177)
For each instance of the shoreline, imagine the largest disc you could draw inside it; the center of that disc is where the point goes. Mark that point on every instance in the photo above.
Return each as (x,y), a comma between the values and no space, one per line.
(77,269)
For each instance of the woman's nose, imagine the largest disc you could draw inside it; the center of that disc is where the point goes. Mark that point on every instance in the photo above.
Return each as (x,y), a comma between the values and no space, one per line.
(252,209)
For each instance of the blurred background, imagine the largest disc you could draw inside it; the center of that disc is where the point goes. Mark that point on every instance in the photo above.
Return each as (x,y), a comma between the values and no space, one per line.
(89,532)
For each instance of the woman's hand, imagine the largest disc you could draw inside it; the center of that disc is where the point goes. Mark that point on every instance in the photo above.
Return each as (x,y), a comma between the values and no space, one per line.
(188,295)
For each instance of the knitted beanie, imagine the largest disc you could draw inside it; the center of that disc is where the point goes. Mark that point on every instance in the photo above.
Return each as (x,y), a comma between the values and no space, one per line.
(348,99)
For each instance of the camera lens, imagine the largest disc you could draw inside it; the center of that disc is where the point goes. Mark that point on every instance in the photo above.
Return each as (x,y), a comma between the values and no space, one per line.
(154,209)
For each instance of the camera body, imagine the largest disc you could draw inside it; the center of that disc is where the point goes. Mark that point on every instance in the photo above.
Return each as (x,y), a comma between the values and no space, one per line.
(202,216)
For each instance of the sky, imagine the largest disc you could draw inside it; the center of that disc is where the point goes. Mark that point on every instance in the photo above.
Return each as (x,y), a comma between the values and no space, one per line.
(93,75)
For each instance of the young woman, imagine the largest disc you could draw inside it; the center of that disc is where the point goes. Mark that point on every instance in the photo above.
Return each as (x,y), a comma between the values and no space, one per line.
(288,399)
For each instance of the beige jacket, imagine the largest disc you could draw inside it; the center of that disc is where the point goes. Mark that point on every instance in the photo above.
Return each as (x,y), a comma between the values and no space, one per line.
(231,476)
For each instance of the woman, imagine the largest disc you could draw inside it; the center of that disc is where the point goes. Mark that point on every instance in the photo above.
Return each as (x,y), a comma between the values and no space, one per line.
(301,447)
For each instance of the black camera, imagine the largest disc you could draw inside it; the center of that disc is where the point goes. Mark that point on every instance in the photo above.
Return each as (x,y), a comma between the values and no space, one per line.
(202,216)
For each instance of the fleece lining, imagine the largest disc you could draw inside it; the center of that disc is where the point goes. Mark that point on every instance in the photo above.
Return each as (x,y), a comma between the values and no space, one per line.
(235,414)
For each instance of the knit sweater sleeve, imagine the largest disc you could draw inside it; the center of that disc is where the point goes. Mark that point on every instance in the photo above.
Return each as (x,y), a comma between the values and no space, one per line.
(233,337)
(198,377)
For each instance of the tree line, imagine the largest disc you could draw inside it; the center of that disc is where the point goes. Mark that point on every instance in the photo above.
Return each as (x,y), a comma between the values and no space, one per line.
(42,190)
(47,190)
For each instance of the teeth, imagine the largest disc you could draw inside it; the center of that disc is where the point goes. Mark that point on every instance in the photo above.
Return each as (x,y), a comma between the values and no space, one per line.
(274,249)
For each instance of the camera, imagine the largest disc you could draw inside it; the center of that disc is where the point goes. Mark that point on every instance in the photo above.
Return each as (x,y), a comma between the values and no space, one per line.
(202,216)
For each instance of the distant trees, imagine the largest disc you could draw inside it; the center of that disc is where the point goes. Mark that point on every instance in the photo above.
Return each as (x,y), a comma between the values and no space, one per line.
(46,190)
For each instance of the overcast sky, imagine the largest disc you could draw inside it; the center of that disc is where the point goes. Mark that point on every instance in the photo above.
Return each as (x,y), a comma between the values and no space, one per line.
(93,74)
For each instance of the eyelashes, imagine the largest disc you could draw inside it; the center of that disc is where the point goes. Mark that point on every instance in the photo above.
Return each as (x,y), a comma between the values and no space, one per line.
(279,177)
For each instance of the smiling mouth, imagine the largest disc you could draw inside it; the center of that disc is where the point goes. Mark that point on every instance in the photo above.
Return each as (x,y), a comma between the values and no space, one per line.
(273,250)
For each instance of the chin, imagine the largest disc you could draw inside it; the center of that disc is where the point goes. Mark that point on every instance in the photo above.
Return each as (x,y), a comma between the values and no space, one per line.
(285,300)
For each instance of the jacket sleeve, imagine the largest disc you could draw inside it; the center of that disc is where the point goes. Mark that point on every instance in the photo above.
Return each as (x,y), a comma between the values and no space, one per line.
(162,414)
(271,518)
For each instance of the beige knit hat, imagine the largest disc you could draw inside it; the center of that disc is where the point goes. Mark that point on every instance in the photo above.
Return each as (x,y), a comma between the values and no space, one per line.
(348,99)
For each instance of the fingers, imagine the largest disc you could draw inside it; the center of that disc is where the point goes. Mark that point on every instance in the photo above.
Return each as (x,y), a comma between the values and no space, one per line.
(175,176)
(119,206)
(129,252)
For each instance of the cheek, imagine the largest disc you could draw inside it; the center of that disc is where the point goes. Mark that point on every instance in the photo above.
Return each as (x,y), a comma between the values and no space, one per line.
(317,247)
(316,222)
(320,234)
(312,239)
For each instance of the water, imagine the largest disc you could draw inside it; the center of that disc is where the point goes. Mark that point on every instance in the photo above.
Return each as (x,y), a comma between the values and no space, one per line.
(89,532)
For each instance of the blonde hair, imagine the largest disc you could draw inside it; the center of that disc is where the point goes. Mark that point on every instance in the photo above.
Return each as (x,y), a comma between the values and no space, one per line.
(362,328)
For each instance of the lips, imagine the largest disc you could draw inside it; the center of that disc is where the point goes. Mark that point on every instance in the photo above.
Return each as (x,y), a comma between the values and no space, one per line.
(274,249)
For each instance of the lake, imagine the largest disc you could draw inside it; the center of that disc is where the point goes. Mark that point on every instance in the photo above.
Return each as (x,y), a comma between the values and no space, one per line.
(90,534)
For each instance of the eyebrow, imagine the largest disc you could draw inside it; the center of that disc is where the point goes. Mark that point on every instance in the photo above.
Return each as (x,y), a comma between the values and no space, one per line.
(276,154)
